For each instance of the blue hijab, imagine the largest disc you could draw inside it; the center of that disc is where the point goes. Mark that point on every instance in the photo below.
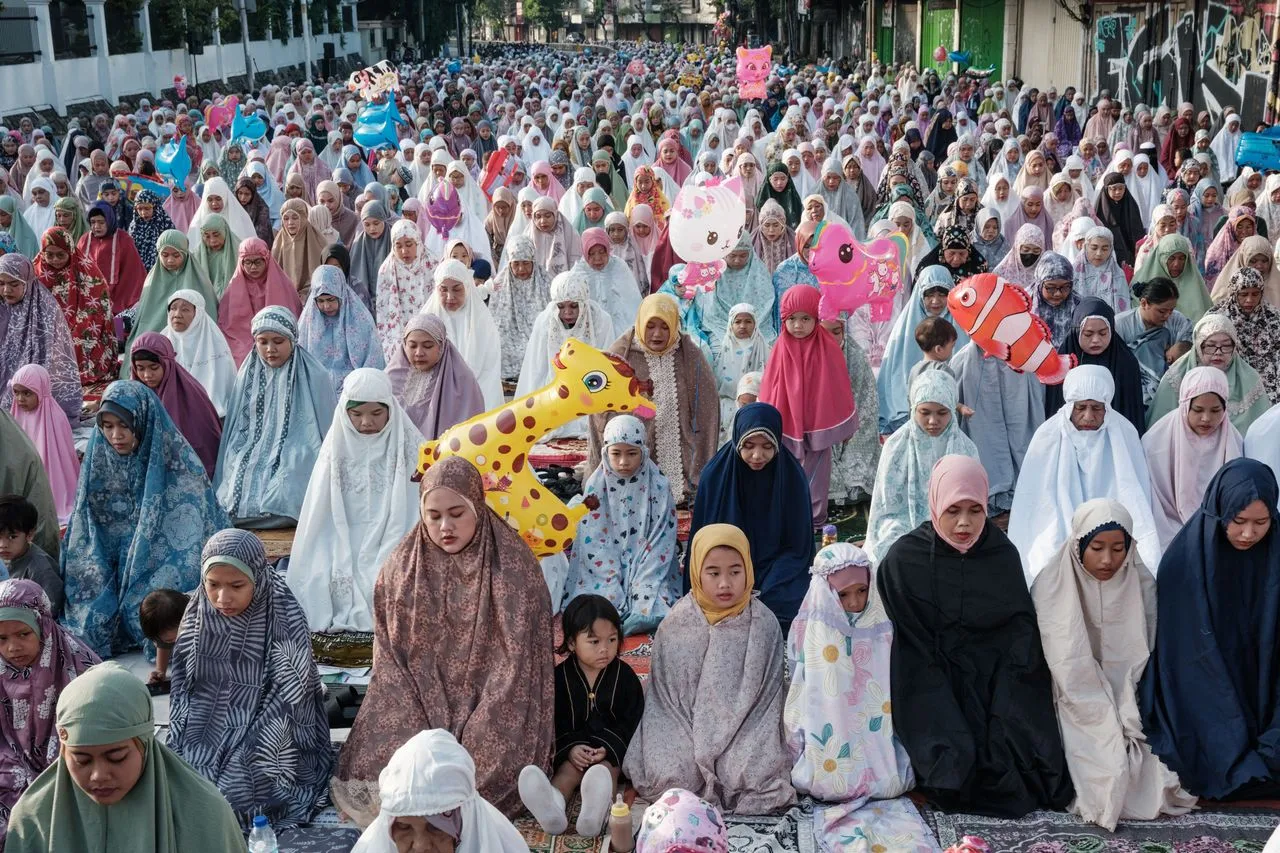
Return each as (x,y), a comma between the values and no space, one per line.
(791,272)
(362,176)
(342,343)
(902,352)
(1209,694)
(771,506)
(276,421)
(138,524)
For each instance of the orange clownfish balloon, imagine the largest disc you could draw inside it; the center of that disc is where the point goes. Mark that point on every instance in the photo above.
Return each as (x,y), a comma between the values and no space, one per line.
(997,315)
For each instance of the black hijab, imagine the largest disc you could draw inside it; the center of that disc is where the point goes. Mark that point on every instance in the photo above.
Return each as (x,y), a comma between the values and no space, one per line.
(1122,217)
(1117,358)
(954,237)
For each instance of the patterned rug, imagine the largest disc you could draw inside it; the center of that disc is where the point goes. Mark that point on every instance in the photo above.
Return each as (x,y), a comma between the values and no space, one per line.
(1214,829)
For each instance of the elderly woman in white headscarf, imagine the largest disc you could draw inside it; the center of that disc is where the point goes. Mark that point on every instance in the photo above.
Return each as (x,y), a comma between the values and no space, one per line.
(218,198)
(428,797)
(470,326)
(1085,450)
(570,312)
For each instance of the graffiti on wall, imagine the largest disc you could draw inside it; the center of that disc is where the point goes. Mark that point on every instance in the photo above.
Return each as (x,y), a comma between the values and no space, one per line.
(1221,60)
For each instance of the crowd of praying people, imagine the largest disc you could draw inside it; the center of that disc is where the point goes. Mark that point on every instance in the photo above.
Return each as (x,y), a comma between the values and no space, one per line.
(1064,598)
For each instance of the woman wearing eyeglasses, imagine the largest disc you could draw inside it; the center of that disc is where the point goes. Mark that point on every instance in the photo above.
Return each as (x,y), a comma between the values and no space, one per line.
(1215,343)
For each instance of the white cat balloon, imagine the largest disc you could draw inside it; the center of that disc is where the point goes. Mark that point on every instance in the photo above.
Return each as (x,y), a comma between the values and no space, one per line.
(705,224)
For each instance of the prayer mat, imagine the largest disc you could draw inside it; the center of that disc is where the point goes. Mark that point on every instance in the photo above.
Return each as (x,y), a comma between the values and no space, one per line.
(789,832)
(1213,828)
(567,452)
(278,543)
(318,838)
(350,648)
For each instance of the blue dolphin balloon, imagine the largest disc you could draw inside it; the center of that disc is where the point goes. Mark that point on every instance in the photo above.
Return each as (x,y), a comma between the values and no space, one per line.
(173,161)
(248,127)
(376,126)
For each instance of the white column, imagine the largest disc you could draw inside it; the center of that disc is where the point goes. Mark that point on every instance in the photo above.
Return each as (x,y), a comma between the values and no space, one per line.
(217,46)
(306,38)
(1009,58)
(44,44)
(97,11)
(148,51)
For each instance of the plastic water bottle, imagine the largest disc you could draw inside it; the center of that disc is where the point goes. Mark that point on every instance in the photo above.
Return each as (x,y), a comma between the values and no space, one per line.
(262,839)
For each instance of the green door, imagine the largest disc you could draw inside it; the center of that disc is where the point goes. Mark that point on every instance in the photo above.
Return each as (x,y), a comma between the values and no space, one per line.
(937,27)
(982,33)
(883,22)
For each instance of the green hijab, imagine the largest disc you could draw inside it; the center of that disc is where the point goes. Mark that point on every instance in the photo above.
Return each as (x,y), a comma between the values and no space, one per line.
(152,313)
(1193,296)
(788,198)
(218,267)
(22,472)
(600,197)
(171,809)
(79,225)
(28,243)
(1246,396)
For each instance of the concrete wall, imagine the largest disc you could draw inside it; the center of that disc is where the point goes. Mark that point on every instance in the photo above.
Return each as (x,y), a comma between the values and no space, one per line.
(78,80)
(1051,47)
(1213,53)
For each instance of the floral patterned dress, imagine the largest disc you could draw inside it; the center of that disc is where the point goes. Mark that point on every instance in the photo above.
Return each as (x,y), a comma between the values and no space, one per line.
(83,295)
(838,719)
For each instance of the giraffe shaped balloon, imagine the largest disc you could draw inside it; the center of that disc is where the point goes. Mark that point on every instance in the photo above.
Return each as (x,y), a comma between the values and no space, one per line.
(586,381)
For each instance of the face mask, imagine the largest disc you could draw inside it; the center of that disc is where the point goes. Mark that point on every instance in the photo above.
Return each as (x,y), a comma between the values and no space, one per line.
(1028,258)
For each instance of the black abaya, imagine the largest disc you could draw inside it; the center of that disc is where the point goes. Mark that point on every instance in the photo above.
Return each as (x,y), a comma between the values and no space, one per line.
(972,696)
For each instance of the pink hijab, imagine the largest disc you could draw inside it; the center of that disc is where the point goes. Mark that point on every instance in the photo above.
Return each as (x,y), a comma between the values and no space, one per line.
(278,158)
(594,237)
(807,381)
(311,175)
(181,212)
(679,170)
(542,167)
(245,297)
(956,478)
(50,432)
(1182,462)
(644,213)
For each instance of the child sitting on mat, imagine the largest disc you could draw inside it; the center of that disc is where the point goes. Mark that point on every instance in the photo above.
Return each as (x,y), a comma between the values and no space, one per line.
(160,614)
(599,702)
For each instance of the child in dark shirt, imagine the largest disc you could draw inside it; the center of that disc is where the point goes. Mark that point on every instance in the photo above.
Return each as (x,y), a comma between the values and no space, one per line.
(160,614)
(599,701)
(21,555)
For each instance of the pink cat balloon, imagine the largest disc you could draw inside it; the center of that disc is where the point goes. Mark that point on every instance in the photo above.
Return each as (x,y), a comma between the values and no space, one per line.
(852,274)
(753,70)
(705,224)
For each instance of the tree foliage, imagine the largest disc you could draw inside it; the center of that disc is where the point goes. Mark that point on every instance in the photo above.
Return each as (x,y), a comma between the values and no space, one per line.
(544,13)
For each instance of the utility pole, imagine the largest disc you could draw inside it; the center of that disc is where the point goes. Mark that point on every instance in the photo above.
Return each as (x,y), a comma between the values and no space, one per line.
(1271,113)
(457,10)
(244,37)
